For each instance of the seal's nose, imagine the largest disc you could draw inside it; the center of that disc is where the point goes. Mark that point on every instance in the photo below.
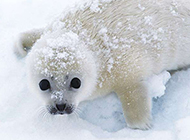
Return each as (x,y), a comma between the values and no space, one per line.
(60,107)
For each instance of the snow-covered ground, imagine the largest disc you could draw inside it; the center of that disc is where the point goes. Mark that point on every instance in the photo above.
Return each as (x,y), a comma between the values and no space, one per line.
(20,114)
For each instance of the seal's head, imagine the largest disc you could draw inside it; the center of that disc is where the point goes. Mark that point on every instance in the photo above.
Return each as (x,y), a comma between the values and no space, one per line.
(62,70)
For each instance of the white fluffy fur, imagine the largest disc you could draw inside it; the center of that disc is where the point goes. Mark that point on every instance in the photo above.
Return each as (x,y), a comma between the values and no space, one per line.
(126,41)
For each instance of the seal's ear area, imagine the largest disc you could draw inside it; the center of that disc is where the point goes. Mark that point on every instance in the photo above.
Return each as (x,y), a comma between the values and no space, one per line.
(26,40)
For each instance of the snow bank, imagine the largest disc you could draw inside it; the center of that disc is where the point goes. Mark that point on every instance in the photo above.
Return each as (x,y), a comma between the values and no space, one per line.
(183,128)
(22,115)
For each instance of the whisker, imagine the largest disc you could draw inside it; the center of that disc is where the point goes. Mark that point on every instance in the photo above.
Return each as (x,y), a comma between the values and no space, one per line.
(39,115)
(76,114)
(79,111)
(40,111)
(46,116)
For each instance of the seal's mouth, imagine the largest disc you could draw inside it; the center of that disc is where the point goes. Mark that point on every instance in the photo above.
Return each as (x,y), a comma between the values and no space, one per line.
(60,109)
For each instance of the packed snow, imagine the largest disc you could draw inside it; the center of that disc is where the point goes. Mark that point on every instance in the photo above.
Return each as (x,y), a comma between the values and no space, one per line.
(23,116)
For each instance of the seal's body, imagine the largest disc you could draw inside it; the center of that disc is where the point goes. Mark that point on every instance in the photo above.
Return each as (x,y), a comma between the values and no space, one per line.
(107,46)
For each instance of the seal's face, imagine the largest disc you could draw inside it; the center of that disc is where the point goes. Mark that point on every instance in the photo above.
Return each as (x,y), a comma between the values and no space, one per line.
(61,95)
(62,71)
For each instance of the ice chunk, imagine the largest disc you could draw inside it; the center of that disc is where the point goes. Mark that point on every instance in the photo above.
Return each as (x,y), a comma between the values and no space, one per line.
(157,84)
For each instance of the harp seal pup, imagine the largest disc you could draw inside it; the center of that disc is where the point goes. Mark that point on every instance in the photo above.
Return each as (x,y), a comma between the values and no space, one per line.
(105,46)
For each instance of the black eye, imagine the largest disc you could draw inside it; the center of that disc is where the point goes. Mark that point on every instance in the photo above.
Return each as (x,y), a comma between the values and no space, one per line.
(44,84)
(75,83)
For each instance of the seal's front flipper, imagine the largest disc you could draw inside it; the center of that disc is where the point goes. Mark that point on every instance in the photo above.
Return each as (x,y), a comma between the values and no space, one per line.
(136,104)
(26,40)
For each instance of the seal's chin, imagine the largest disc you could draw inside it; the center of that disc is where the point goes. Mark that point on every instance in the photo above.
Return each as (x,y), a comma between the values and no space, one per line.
(54,111)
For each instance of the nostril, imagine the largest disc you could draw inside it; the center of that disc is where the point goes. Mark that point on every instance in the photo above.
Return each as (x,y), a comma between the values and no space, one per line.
(61,107)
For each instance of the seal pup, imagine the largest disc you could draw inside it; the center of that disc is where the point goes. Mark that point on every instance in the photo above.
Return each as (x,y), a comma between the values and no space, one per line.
(105,46)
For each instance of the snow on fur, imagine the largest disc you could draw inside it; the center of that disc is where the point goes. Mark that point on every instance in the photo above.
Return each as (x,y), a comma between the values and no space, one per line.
(61,53)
